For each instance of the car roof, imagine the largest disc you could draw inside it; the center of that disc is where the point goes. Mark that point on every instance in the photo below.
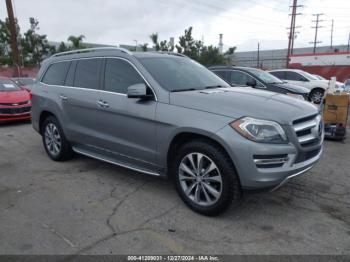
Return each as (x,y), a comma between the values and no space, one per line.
(244,68)
(286,69)
(106,51)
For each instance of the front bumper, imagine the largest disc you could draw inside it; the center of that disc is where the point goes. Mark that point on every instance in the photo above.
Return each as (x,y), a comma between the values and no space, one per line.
(15,113)
(254,176)
(13,118)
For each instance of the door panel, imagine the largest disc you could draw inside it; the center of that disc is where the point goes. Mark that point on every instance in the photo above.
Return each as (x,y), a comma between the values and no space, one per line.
(126,125)
(79,101)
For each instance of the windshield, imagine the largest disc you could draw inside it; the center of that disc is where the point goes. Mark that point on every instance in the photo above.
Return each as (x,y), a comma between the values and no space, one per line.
(8,85)
(178,73)
(265,76)
(307,75)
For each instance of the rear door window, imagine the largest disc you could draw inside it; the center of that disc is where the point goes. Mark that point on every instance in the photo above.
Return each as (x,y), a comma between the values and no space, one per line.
(119,75)
(294,76)
(279,74)
(56,73)
(87,73)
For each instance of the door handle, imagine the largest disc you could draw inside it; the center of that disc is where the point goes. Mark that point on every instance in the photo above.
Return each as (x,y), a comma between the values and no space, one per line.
(63,97)
(102,103)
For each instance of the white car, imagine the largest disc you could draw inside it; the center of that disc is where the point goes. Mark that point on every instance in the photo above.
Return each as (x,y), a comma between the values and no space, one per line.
(316,86)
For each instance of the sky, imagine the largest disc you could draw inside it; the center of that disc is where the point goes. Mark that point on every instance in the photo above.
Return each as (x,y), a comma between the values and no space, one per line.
(243,23)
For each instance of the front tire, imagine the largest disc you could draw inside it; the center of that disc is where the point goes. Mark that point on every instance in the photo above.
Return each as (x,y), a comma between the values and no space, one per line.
(55,143)
(205,177)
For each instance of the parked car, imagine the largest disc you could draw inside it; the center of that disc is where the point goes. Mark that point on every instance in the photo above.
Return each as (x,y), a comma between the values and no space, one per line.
(164,114)
(256,78)
(24,82)
(15,103)
(347,85)
(298,77)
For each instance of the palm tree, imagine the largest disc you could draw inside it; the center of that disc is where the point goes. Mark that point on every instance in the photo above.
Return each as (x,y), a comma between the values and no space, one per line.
(154,38)
(76,41)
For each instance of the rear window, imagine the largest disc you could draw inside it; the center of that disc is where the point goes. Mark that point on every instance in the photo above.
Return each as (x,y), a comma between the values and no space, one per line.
(8,85)
(87,73)
(56,74)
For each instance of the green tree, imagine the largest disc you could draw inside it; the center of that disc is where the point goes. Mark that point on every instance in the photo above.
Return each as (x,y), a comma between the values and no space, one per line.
(5,41)
(63,47)
(154,38)
(195,49)
(210,55)
(231,50)
(144,47)
(77,41)
(35,47)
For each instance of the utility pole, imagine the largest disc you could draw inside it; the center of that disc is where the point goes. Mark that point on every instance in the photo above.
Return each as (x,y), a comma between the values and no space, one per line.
(292,27)
(317,21)
(348,49)
(258,62)
(14,45)
(332,33)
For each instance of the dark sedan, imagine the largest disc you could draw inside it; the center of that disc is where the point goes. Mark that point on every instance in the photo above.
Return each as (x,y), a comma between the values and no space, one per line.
(257,78)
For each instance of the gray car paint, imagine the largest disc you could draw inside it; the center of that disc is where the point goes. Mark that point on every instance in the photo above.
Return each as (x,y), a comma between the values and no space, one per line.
(138,134)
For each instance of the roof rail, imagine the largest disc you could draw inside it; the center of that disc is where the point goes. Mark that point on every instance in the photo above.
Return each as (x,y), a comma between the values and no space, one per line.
(169,53)
(95,49)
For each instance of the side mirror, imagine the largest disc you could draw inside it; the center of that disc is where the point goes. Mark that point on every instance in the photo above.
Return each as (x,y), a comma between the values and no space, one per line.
(251,83)
(138,91)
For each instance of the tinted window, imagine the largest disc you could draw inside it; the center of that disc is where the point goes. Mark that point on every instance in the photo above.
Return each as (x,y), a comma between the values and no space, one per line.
(280,74)
(87,73)
(8,85)
(294,76)
(56,73)
(119,75)
(222,74)
(178,73)
(240,78)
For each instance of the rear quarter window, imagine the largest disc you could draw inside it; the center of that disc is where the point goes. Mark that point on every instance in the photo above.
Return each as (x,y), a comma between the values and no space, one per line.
(56,73)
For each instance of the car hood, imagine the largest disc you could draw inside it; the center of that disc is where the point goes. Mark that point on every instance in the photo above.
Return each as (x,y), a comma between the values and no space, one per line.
(238,102)
(7,97)
(292,88)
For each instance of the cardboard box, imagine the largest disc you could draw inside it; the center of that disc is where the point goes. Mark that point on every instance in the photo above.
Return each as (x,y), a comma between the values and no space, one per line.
(335,109)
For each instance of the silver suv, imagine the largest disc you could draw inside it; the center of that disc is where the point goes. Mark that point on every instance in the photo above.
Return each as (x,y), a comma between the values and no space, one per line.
(163,114)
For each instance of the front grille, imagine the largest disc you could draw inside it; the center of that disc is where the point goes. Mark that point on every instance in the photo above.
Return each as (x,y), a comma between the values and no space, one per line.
(308,130)
(14,104)
(304,156)
(11,111)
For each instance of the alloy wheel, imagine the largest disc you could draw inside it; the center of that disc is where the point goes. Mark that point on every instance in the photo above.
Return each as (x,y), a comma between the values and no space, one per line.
(200,179)
(317,97)
(53,140)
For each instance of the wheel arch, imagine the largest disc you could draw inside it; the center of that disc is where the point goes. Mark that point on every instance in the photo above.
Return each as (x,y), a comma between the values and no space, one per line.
(186,136)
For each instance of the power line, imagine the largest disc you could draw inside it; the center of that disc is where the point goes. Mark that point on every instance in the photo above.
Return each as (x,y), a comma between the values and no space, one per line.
(317,26)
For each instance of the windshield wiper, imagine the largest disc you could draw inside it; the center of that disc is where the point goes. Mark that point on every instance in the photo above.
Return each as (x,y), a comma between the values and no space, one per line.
(182,90)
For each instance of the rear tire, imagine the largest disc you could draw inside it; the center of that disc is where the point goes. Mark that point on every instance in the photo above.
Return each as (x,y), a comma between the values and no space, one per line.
(55,143)
(316,95)
(208,183)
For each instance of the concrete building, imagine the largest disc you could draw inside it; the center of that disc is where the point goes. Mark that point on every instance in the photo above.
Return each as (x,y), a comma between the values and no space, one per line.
(274,59)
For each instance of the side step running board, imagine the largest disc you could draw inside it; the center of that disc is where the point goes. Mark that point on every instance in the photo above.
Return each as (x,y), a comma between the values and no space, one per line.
(112,161)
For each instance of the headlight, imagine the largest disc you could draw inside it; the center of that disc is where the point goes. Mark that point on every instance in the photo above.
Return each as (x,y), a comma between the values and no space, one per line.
(257,130)
(296,96)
